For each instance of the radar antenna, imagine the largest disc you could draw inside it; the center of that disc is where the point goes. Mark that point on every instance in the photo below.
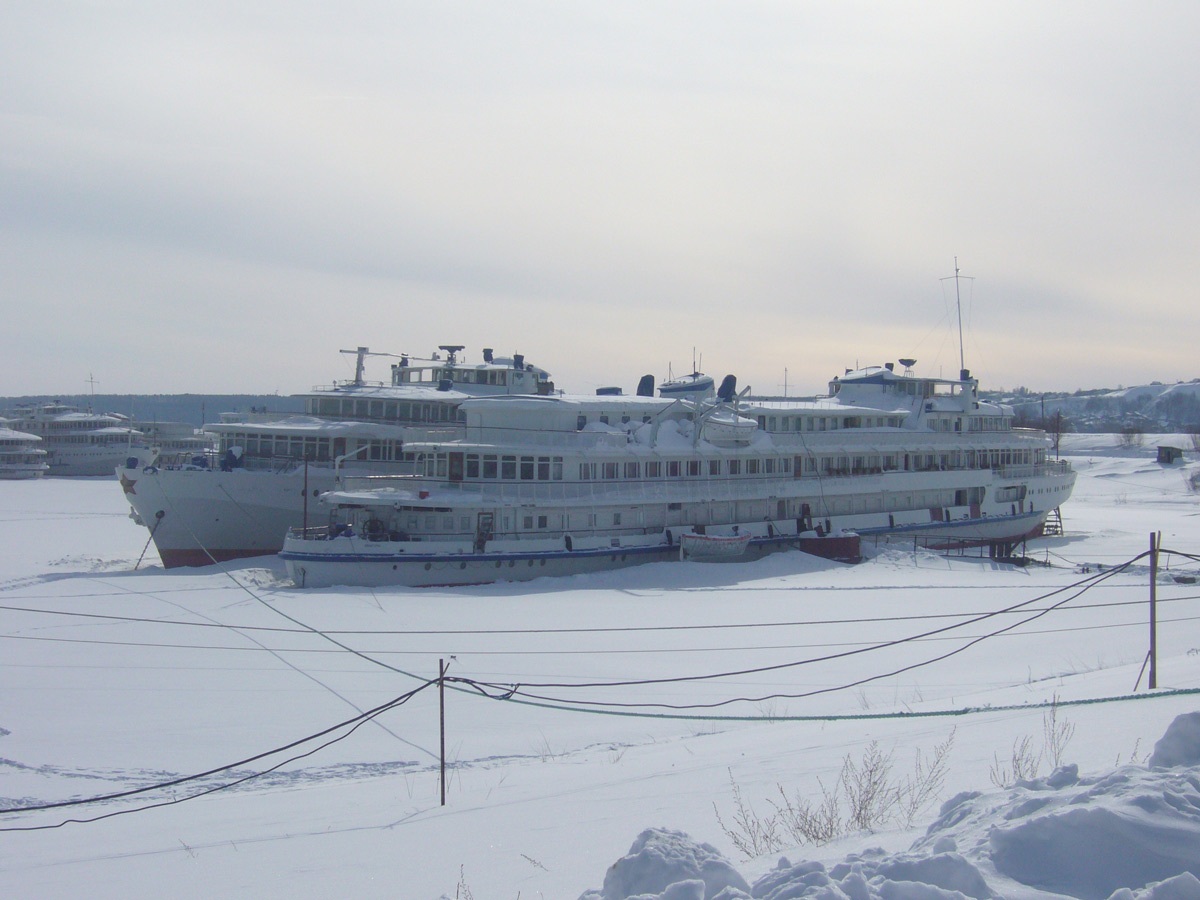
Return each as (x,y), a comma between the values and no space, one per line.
(451,352)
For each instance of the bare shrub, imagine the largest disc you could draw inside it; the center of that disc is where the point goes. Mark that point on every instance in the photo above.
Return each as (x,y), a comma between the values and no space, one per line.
(752,834)
(463,890)
(1131,437)
(1021,766)
(920,789)
(811,823)
(1191,480)
(1024,764)
(870,796)
(864,797)
(1056,734)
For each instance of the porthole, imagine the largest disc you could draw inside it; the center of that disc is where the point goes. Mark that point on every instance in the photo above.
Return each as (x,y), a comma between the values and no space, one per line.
(428,566)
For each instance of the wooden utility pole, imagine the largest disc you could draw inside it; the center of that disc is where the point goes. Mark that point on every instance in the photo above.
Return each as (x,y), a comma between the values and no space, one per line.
(1155,540)
(442,716)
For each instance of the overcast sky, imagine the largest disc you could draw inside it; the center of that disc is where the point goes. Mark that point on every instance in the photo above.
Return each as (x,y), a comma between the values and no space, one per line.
(220,196)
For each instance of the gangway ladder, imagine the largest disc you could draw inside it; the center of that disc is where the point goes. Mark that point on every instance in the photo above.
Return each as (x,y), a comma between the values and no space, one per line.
(1054,525)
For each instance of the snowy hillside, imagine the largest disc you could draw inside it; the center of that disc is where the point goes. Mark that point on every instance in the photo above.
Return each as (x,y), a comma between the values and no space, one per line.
(1148,407)
(257,740)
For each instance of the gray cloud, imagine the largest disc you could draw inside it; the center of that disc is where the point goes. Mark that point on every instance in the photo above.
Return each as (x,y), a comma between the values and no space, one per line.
(243,188)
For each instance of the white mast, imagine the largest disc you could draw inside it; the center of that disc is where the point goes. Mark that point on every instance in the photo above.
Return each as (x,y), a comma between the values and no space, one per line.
(962,363)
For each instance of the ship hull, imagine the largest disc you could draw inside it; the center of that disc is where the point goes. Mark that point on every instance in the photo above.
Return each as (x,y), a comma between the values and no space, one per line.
(21,471)
(85,461)
(201,516)
(317,563)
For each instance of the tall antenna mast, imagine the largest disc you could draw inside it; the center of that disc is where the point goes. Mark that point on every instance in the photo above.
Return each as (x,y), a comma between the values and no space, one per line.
(962,363)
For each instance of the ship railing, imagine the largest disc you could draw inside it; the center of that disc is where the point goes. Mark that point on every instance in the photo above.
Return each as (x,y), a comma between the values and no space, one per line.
(330,388)
(432,434)
(180,459)
(258,416)
(311,533)
(1048,468)
(502,439)
(380,481)
(208,459)
(550,492)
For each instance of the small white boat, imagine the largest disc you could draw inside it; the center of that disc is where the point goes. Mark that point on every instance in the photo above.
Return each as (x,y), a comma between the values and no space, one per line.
(713,547)
(695,386)
(726,425)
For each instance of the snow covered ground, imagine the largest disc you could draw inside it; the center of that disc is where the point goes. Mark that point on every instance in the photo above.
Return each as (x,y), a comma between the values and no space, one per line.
(114,680)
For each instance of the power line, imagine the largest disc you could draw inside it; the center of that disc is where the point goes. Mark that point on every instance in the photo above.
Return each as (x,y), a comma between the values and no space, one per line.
(352,724)
(615,629)
(510,691)
(609,651)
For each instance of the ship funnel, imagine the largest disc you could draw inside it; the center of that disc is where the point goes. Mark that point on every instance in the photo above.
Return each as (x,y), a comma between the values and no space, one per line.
(487,354)
(645,386)
(728,389)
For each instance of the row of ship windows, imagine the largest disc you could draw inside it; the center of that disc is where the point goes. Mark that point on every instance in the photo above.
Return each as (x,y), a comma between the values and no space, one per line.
(107,440)
(826,423)
(550,468)
(59,429)
(778,424)
(427,523)
(421,412)
(455,376)
(382,410)
(314,449)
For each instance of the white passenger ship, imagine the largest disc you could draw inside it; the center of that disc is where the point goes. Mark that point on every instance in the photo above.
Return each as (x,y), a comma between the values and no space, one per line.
(76,441)
(554,486)
(21,455)
(267,470)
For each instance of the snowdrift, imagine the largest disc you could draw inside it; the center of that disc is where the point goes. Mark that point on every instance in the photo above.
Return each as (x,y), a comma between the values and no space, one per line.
(1130,834)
